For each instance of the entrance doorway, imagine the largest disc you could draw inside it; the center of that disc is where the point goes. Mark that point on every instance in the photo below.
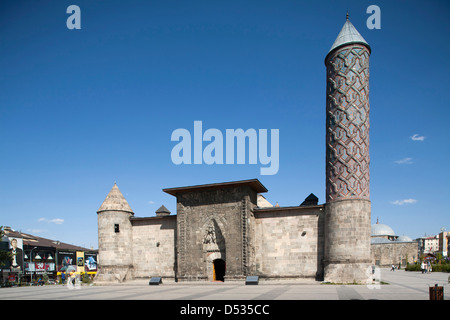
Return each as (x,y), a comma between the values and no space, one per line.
(219,270)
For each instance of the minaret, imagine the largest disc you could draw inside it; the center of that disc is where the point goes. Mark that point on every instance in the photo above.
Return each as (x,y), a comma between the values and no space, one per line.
(114,238)
(347,209)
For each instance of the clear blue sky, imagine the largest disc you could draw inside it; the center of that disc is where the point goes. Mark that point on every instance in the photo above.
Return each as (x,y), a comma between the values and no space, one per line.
(80,109)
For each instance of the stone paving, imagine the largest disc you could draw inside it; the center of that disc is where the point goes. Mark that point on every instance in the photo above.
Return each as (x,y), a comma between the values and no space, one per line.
(401,286)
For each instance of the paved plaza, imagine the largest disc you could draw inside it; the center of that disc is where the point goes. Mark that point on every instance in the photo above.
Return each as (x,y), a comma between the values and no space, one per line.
(400,285)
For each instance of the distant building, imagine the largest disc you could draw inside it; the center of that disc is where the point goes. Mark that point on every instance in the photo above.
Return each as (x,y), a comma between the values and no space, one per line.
(428,244)
(34,256)
(388,249)
(435,244)
(444,243)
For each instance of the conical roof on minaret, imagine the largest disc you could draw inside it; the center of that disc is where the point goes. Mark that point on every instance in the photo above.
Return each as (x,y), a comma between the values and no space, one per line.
(348,35)
(115,201)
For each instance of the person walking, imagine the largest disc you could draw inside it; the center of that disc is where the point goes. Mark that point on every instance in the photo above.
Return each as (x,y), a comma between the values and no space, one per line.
(422,267)
(63,277)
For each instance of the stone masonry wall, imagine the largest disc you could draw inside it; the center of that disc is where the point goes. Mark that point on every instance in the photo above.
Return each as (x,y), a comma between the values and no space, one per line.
(154,241)
(289,242)
(386,254)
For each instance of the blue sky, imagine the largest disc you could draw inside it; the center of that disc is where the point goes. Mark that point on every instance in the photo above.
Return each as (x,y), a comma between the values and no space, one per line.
(81,109)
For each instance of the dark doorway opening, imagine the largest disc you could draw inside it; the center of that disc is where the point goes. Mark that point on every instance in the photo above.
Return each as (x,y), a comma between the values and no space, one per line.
(219,270)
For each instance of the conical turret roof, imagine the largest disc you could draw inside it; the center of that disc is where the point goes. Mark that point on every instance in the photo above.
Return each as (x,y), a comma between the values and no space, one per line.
(115,201)
(348,35)
(162,209)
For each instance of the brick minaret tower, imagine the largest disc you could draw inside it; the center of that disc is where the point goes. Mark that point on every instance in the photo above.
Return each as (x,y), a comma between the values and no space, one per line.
(347,211)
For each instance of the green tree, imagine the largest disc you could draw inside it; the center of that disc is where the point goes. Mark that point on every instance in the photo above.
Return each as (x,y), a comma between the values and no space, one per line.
(5,256)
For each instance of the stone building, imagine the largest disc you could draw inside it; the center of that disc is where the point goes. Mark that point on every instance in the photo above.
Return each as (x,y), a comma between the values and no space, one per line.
(389,249)
(228,230)
(221,231)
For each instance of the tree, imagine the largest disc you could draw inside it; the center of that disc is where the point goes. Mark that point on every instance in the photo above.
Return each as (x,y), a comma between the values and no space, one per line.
(5,256)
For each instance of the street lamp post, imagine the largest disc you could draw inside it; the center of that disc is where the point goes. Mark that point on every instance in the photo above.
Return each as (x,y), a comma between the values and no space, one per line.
(31,261)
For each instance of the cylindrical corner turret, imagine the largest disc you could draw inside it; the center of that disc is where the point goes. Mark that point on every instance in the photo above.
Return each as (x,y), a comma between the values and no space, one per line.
(347,210)
(114,238)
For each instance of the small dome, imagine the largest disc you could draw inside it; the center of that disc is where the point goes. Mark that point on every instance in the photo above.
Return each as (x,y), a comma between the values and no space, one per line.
(379,229)
(403,239)
(379,240)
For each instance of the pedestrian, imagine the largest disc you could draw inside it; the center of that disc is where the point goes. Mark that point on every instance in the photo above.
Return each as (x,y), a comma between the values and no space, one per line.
(63,277)
(393,267)
(422,267)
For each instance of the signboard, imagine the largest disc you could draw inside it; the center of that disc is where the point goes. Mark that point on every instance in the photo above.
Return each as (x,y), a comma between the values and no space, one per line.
(16,248)
(67,261)
(155,281)
(90,262)
(252,280)
(39,267)
(80,261)
(70,261)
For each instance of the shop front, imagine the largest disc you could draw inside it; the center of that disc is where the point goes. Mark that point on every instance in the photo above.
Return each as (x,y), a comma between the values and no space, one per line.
(76,263)
(39,265)
(37,260)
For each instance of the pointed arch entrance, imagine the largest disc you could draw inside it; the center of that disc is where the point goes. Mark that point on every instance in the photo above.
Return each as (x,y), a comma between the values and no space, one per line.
(219,269)
(214,250)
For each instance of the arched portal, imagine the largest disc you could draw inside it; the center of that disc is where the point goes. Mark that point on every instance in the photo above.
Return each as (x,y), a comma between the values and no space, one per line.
(219,268)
